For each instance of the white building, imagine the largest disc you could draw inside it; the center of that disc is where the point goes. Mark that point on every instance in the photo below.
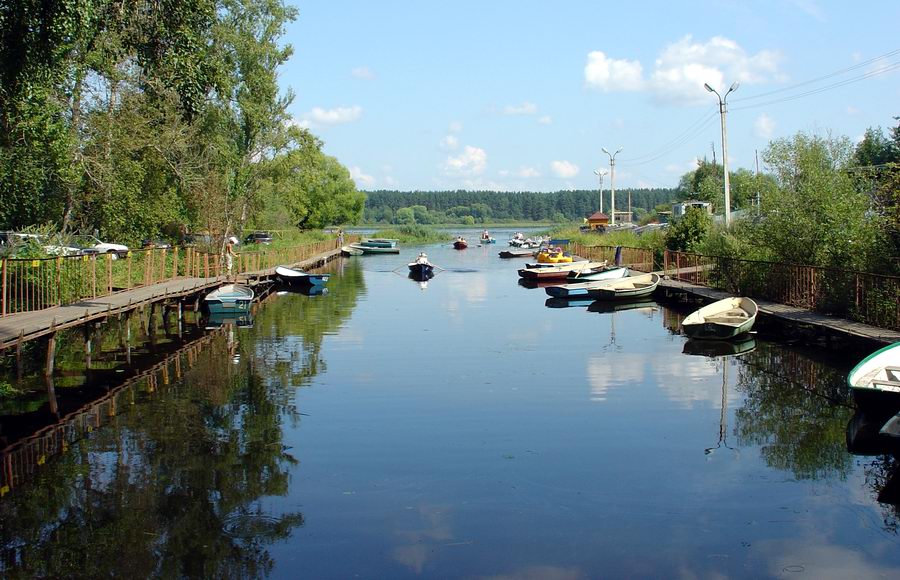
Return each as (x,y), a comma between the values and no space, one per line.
(681,207)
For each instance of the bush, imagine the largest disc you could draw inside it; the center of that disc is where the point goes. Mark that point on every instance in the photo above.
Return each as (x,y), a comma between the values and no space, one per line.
(687,233)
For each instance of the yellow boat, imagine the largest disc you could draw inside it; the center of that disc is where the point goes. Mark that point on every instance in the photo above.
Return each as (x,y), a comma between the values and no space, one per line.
(555,256)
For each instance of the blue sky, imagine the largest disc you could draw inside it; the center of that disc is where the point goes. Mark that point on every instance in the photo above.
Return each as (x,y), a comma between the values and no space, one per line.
(522,95)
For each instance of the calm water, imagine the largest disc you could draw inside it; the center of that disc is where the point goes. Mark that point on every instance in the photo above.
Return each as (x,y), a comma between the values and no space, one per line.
(464,429)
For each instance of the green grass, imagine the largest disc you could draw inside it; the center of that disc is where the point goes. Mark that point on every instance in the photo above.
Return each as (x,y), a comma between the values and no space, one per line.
(411,234)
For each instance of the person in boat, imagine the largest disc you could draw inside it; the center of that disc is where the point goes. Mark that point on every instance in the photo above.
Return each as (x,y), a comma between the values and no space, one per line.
(422,258)
(485,235)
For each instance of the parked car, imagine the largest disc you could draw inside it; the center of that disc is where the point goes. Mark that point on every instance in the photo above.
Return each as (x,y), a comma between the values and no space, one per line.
(86,241)
(259,238)
(156,243)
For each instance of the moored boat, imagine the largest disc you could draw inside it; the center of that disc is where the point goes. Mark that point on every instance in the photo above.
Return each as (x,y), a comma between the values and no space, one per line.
(875,381)
(379,243)
(554,271)
(521,253)
(375,249)
(604,273)
(722,319)
(298,278)
(229,298)
(350,251)
(578,290)
(631,287)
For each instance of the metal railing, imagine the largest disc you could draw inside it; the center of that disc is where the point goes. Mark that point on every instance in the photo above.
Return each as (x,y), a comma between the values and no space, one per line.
(865,297)
(35,284)
(639,259)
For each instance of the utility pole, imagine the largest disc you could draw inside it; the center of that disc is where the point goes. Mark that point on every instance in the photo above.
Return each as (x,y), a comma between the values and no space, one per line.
(722,111)
(756,153)
(600,173)
(612,182)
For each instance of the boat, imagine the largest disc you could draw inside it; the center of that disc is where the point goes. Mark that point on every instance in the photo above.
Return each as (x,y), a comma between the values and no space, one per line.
(460,244)
(631,287)
(554,256)
(714,348)
(298,278)
(229,298)
(486,238)
(553,271)
(421,268)
(604,273)
(375,249)
(379,243)
(521,253)
(875,381)
(579,290)
(721,320)
(348,251)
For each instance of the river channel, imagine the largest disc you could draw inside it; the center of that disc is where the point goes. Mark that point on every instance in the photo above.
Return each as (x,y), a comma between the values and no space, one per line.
(462,428)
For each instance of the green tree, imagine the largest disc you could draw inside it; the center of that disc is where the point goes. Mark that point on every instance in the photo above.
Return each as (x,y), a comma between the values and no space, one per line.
(687,232)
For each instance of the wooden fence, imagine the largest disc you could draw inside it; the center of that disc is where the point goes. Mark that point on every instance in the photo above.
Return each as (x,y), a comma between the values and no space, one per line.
(861,296)
(27,285)
(634,258)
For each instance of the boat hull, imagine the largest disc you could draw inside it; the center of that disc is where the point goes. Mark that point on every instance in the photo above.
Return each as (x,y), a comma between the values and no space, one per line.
(722,320)
(299,279)
(516,254)
(875,381)
(460,245)
(609,274)
(622,289)
(228,299)
(423,271)
(713,331)
(375,250)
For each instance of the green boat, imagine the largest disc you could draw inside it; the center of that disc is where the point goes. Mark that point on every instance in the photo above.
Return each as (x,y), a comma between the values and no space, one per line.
(230,298)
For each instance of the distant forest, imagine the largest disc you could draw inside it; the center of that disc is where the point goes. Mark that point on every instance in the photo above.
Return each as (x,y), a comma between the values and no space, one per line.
(435,207)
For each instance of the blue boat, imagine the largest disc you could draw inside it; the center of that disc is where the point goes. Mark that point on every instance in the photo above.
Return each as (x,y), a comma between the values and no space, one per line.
(229,299)
(298,278)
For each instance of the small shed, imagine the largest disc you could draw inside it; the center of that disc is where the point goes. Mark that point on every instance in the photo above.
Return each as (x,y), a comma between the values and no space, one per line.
(597,220)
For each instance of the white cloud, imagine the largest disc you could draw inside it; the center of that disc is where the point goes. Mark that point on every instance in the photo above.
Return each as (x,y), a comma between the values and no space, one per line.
(361,178)
(682,68)
(525,108)
(608,74)
(528,172)
(336,116)
(450,143)
(851,110)
(456,127)
(472,161)
(564,169)
(681,169)
(764,126)
(363,73)
(545,120)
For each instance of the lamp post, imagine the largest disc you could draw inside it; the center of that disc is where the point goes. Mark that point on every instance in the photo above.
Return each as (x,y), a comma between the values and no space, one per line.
(722,110)
(600,173)
(612,182)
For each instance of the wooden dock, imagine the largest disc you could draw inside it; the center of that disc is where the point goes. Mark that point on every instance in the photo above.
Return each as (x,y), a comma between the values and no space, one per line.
(795,316)
(21,327)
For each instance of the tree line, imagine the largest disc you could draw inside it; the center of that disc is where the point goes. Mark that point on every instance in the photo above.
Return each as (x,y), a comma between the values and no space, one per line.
(139,119)
(461,206)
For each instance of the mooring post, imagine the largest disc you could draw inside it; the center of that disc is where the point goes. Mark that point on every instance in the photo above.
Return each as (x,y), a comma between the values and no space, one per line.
(88,345)
(19,341)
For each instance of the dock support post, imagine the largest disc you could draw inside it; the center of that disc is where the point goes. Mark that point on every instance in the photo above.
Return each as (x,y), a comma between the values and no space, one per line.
(19,341)
(51,355)
(88,345)
(51,394)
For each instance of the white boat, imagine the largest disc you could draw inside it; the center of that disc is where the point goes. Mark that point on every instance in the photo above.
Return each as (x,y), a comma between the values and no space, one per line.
(631,287)
(229,298)
(551,271)
(605,273)
(590,289)
(722,319)
(875,380)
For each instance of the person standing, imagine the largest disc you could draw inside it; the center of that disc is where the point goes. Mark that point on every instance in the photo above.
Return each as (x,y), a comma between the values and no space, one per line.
(230,254)
(340,237)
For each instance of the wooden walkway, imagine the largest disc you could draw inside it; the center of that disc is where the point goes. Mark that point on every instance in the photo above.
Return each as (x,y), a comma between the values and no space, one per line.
(24,326)
(794,315)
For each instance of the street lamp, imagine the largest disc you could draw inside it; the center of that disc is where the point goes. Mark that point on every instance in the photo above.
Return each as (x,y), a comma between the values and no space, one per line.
(612,181)
(600,173)
(722,99)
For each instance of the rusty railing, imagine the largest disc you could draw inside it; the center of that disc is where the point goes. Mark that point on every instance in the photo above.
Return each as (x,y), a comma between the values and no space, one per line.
(861,296)
(639,259)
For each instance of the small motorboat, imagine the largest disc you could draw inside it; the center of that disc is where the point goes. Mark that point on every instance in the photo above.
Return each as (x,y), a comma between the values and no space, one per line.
(460,244)
(229,298)
(721,320)
(298,278)
(421,268)
(631,287)
(875,381)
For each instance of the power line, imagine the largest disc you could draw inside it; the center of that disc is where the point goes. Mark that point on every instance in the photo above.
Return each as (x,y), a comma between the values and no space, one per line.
(679,142)
(870,74)
(665,147)
(817,79)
